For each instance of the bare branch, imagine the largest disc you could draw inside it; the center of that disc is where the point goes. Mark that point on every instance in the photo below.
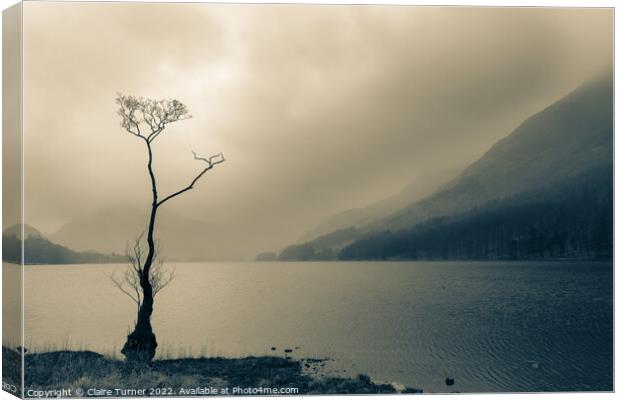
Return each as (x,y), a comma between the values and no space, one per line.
(129,107)
(212,161)
(165,281)
(159,277)
(120,285)
(153,115)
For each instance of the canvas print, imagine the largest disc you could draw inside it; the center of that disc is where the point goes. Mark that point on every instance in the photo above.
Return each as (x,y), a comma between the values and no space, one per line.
(272,199)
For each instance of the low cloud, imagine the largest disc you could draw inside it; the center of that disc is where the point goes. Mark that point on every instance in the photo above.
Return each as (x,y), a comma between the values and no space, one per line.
(317,108)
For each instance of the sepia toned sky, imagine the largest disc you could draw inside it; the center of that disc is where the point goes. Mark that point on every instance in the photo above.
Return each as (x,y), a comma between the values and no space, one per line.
(318,109)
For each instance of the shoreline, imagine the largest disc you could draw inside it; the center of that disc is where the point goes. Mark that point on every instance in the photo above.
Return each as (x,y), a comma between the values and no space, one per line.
(470,260)
(90,374)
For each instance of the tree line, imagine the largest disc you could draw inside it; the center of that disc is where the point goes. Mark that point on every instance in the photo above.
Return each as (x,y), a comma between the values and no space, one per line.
(39,250)
(573,219)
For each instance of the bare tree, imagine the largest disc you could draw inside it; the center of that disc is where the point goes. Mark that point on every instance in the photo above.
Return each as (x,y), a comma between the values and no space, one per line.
(129,281)
(146,119)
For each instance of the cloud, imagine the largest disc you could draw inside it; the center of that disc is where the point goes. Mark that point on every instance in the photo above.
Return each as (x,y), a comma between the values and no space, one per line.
(317,108)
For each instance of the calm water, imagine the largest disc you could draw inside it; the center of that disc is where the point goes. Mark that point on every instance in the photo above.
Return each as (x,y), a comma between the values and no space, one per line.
(493,326)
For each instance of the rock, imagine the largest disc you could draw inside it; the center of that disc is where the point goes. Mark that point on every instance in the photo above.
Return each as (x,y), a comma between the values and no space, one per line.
(273,349)
(399,388)
(533,363)
(449,381)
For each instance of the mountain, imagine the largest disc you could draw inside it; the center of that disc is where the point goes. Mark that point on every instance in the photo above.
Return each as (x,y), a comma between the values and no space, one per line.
(569,137)
(359,217)
(565,146)
(322,248)
(39,250)
(16,230)
(571,219)
(181,239)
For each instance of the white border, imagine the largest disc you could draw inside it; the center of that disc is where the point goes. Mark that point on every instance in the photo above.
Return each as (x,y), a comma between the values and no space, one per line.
(542,3)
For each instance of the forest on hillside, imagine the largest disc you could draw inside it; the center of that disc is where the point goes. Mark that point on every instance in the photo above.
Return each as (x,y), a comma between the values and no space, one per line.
(39,250)
(573,219)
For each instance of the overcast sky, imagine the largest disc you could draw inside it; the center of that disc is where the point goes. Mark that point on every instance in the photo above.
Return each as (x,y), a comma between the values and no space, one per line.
(318,109)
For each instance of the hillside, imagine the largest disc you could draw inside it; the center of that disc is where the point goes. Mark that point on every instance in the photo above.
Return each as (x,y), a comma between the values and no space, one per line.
(544,157)
(363,216)
(40,250)
(322,248)
(182,239)
(568,138)
(16,230)
(573,219)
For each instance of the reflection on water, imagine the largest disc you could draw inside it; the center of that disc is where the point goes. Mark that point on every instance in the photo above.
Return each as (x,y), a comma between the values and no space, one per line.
(493,326)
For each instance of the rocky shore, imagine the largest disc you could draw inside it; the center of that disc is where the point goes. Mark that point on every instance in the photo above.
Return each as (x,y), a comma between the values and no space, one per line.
(89,374)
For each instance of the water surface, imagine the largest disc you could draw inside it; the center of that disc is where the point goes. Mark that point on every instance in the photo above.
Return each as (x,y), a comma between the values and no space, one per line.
(493,326)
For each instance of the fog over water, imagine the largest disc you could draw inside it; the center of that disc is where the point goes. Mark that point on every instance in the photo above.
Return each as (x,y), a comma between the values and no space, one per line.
(318,109)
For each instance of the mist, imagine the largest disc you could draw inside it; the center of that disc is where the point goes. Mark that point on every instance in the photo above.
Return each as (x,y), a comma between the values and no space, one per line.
(318,109)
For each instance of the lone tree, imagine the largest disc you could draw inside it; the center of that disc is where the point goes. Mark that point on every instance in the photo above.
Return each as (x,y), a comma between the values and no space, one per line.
(146,119)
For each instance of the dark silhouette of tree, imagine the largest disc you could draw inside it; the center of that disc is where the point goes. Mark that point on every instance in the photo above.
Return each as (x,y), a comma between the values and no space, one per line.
(146,119)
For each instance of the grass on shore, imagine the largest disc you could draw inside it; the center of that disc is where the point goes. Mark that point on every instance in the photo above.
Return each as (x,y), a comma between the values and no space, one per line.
(86,369)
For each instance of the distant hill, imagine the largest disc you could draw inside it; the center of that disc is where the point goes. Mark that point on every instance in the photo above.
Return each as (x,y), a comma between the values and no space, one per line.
(266,256)
(572,219)
(182,239)
(360,217)
(547,156)
(568,138)
(16,230)
(39,250)
(322,248)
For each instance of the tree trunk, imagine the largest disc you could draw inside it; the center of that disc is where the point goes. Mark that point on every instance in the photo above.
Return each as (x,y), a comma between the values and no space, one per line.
(141,343)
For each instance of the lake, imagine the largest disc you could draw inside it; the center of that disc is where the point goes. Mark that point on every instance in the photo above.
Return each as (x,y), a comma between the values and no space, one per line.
(493,326)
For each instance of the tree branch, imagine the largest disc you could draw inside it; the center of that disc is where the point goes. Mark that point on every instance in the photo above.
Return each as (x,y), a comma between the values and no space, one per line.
(212,161)
(130,282)
(154,115)
(119,284)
